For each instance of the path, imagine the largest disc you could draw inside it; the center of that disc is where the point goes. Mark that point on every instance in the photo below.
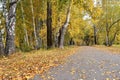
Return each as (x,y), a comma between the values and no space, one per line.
(87,64)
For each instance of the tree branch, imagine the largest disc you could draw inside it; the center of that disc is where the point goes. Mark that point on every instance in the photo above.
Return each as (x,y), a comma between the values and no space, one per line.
(114,23)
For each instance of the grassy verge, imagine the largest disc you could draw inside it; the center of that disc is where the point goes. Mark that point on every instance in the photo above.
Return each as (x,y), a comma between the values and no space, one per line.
(22,66)
(115,49)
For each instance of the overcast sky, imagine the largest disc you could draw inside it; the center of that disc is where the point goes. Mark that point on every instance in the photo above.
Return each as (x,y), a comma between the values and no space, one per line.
(0,6)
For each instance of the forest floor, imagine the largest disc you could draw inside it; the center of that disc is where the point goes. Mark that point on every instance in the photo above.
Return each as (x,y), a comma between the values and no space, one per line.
(22,66)
(89,63)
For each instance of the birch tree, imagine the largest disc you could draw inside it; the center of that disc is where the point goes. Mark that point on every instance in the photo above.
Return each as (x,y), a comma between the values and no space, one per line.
(33,20)
(1,45)
(62,30)
(1,38)
(10,17)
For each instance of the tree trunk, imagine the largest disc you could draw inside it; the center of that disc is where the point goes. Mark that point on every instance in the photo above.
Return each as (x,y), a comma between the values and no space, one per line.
(62,30)
(108,28)
(49,24)
(1,45)
(25,30)
(115,34)
(33,20)
(71,42)
(39,24)
(95,35)
(56,37)
(10,27)
(107,35)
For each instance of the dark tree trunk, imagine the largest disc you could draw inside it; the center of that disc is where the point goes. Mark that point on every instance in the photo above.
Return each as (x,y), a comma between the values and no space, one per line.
(87,40)
(95,35)
(49,24)
(71,42)
(10,27)
(1,45)
(62,30)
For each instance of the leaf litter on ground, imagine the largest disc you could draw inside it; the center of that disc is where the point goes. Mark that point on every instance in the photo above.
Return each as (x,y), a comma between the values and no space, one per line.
(23,66)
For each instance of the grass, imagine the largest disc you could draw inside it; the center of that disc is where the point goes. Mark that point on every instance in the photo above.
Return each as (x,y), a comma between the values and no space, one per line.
(22,66)
(115,49)
(116,46)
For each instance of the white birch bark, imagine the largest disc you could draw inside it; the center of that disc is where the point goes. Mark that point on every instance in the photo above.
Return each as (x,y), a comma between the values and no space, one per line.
(1,43)
(10,16)
(62,30)
(33,20)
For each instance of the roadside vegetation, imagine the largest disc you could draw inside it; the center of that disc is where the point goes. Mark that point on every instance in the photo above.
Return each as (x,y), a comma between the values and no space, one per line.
(115,49)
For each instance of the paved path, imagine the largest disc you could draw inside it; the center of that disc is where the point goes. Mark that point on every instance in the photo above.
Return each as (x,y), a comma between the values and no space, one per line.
(87,64)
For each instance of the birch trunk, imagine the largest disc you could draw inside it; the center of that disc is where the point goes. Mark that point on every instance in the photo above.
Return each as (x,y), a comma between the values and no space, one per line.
(39,24)
(33,20)
(1,39)
(56,38)
(62,30)
(1,45)
(10,26)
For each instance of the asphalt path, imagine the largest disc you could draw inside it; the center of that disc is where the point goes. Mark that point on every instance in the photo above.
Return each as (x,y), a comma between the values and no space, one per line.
(88,63)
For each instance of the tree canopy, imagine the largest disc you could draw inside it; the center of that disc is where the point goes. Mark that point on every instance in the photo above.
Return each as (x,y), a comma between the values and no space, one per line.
(84,22)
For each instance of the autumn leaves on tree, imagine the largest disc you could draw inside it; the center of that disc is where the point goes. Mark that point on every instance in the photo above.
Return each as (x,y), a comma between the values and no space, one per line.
(36,24)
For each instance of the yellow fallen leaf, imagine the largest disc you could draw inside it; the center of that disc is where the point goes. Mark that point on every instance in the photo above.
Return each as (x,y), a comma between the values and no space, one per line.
(72,71)
(107,79)
(28,77)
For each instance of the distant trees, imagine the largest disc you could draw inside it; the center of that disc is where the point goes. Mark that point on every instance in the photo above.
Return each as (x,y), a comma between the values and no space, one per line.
(105,17)
(112,18)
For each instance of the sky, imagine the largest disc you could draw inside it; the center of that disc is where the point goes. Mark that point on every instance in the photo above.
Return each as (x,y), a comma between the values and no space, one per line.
(0,6)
